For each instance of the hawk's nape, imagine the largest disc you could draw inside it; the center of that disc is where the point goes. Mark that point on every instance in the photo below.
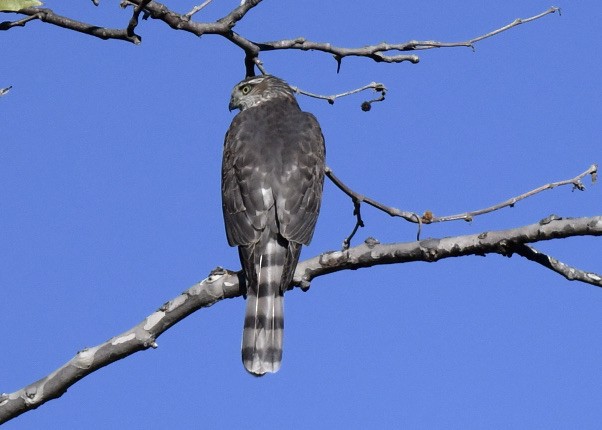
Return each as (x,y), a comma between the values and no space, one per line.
(272,178)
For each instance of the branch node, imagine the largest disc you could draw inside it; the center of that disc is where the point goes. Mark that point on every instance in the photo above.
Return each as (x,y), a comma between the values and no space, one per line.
(428,249)
(593,170)
(371,242)
(339,61)
(427,217)
(304,284)
(549,219)
(196,9)
(504,248)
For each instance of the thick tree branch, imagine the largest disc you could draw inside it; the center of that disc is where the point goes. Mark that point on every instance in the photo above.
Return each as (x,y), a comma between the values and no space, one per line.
(375,52)
(223,284)
(134,19)
(372,253)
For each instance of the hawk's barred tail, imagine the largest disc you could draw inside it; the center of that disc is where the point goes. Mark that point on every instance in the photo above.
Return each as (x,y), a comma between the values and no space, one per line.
(264,316)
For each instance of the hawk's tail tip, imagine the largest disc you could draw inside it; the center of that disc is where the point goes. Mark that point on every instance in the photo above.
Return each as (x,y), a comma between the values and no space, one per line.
(259,369)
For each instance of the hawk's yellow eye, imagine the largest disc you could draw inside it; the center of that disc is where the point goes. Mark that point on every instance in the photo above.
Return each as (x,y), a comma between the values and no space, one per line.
(246,89)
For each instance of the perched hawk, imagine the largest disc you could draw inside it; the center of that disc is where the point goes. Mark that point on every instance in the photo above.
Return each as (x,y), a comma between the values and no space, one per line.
(272,178)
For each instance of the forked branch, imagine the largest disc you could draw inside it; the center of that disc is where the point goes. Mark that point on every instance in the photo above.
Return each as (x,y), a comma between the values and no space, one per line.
(380,52)
(429,218)
(378,87)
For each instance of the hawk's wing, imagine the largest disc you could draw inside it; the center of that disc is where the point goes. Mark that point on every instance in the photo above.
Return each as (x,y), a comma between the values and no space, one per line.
(273,159)
(298,202)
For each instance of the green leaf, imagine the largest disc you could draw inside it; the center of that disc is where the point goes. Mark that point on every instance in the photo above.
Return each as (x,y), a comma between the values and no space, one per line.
(15,5)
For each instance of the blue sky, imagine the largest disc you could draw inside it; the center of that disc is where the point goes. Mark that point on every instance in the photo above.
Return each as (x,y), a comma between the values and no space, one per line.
(110,206)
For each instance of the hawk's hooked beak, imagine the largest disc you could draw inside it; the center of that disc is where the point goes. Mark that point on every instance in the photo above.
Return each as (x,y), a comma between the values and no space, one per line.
(233,104)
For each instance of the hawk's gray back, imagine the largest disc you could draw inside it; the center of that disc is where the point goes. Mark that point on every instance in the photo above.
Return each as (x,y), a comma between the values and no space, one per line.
(272,178)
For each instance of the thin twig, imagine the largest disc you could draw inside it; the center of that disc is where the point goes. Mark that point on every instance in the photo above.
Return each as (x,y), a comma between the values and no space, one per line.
(358,199)
(359,222)
(516,22)
(6,25)
(376,86)
(429,218)
(408,216)
(258,63)
(570,273)
(197,8)
(468,216)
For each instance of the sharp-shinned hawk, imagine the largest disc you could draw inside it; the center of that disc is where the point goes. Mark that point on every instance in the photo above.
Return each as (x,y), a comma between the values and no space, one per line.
(272,178)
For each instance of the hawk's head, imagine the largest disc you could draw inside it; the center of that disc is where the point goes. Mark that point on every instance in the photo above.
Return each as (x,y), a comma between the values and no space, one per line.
(258,89)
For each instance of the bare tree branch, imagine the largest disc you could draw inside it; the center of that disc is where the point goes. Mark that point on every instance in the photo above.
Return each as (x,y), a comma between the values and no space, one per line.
(47,15)
(134,19)
(373,253)
(223,26)
(154,9)
(429,218)
(376,52)
(570,273)
(7,25)
(356,197)
(237,14)
(514,23)
(376,86)
(575,182)
(224,284)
